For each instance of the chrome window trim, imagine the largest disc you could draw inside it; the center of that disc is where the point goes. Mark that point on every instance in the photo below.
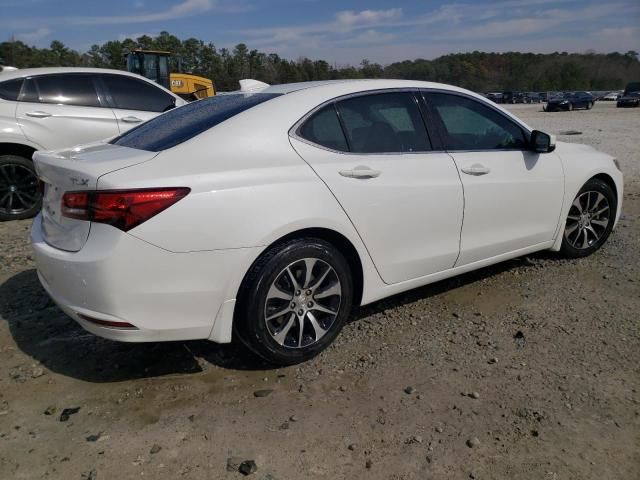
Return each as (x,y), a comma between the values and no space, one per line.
(293,131)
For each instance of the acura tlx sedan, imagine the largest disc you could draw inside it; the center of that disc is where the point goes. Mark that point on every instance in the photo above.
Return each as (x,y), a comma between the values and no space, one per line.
(266,215)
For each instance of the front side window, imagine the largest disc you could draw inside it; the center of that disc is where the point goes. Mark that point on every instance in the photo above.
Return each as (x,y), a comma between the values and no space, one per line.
(384,123)
(67,89)
(130,93)
(10,89)
(323,128)
(470,125)
(179,125)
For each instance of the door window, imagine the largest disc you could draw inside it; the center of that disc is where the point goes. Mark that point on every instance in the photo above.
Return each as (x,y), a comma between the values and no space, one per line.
(323,128)
(129,93)
(470,125)
(67,89)
(384,123)
(11,89)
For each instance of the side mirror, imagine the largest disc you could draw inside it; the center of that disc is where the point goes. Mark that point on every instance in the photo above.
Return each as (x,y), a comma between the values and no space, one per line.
(542,142)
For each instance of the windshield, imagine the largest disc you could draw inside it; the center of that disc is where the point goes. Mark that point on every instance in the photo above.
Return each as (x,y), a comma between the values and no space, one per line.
(179,125)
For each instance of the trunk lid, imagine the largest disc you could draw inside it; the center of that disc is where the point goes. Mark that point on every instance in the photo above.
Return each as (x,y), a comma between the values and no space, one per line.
(76,169)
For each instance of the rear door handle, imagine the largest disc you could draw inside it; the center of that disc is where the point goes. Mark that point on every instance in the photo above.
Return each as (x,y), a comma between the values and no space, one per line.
(38,114)
(361,172)
(476,169)
(131,119)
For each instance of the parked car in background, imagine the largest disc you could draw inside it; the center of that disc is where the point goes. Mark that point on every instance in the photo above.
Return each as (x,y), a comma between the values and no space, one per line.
(52,108)
(611,96)
(265,216)
(531,97)
(631,99)
(512,97)
(632,87)
(570,101)
(495,97)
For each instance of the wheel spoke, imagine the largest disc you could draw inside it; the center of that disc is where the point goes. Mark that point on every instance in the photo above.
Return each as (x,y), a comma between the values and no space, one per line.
(281,336)
(600,223)
(570,229)
(309,263)
(316,326)
(320,308)
(585,240)
(334,289)
(279,313)
(276,292)
(292,277)
(577,204)
(599,199)
(301,329)
(601,211)
(321,279)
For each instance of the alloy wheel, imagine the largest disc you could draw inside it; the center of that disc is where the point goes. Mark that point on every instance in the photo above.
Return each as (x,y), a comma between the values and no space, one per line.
(588,219)
(19,189)
(302,303)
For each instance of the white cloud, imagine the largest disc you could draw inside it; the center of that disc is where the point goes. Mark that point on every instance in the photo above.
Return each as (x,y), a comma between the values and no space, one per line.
(187,8)
(35,35)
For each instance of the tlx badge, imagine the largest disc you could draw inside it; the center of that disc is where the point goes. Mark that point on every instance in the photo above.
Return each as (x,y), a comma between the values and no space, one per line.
(81,182)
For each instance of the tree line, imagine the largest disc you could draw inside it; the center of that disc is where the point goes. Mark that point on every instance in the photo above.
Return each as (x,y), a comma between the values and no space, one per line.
(479,71)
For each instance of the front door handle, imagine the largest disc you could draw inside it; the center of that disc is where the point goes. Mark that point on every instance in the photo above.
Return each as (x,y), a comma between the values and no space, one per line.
(476,169)
(38,114)
(131,119)
(361,172)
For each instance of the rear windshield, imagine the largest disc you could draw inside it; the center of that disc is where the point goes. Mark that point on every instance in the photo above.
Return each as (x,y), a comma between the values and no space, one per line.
(179,125)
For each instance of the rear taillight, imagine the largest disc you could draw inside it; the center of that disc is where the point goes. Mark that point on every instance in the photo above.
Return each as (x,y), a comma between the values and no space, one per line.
(124,209)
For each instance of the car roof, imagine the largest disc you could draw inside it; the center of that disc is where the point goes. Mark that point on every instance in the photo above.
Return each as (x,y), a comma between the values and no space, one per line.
(359,85)
(28,72)
(32,72)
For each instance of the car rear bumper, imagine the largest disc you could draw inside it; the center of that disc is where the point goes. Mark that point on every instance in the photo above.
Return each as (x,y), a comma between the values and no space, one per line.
(117,277)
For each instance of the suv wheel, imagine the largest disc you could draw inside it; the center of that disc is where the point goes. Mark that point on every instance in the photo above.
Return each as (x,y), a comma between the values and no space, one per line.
(294,301)
(20,195)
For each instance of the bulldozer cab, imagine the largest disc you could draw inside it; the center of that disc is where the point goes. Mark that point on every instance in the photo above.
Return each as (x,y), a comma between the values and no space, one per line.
(151,64)
(166,69)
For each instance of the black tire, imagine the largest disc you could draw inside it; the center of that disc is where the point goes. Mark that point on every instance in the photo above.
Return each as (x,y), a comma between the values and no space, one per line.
(250,324)
(20,195)
(570,250)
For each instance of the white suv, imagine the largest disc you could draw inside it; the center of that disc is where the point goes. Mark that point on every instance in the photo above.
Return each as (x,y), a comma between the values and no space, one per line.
(51,108)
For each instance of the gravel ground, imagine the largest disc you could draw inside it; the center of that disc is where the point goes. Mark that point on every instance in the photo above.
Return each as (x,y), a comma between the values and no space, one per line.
(529,369)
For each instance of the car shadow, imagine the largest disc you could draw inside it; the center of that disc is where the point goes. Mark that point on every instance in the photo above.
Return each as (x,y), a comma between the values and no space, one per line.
(42,331)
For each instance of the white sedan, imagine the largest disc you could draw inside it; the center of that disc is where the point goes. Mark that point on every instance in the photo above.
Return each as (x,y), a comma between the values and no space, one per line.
(267,215)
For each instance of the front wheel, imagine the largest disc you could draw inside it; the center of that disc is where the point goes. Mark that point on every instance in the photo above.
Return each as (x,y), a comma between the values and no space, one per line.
(20,195)
(570,107)
(590,219)
(294,301)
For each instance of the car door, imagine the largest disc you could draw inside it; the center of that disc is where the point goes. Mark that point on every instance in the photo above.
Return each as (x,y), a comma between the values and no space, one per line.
(512,195)
(62,110)
(403,197)
(135,101)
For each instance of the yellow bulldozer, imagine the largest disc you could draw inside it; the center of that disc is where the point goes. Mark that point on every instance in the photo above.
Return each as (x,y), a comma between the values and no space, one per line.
(166,69)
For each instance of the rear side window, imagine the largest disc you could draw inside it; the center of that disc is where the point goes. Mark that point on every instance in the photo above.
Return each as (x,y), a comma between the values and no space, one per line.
(470,125)
(68,89)
(133,94)
(323,128)
(384,123)
(179,125)
(10,89)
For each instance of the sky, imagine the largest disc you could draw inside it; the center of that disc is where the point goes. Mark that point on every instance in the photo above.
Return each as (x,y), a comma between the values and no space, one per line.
(341,32)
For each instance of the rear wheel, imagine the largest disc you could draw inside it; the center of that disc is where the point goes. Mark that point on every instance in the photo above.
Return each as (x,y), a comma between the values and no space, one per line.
(20,195)
(294,301)
(590,219)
